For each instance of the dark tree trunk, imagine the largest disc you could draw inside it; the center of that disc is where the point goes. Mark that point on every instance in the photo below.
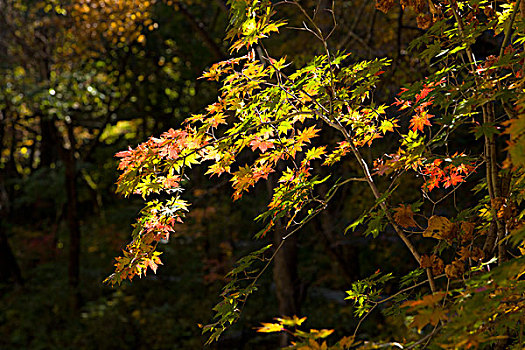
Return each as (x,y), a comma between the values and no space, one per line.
(48,143)
(2,128)
(11,163)
(9,269)
(285,276)
(73,224)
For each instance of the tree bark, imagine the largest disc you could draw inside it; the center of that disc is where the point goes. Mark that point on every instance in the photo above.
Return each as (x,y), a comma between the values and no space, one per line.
(285,276)
(73,223)
(48,142)
(9,268)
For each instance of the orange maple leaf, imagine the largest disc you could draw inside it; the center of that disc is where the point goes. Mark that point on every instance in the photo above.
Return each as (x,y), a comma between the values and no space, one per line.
(263,145)
(307,134)
(419,121)
(424,93)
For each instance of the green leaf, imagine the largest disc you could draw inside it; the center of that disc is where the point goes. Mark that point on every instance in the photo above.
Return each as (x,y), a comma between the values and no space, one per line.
(486,129)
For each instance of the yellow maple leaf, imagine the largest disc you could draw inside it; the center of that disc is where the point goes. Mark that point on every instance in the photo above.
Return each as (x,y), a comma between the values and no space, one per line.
(438,227)
(270,328)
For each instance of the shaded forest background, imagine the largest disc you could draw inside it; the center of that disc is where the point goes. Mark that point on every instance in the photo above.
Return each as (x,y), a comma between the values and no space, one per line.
(82,81)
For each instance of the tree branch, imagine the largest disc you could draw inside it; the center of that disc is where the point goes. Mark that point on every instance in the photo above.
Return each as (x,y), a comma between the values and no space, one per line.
(199,27)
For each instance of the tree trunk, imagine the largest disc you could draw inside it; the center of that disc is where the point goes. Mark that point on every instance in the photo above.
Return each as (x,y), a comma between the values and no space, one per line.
(72,220)
(48,154)
(9,269)
(285,276)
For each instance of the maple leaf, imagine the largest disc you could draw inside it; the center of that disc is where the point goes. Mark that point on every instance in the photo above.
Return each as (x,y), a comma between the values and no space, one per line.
(169,150)
(437,265)
(384,5)
(404,216)
(346,342)
(381,167)
(421,320)
(217,169)
(322,333)
(438,227)
(467,229)
(152,265)
(455,269)
(474,253)
(262,172)
(261,144)
(216,107)
(215,120)
(453,180)
(402,91)
(424,93)
(432,183)
(419,121)
(124,154)
(306,134)
(242,180)
(172,182)
(315,153)
(291,321)
(464,168)
(270,328)
(425,261)
(434,262)
(464,253)
(429,316)
(404,104)
(386,125)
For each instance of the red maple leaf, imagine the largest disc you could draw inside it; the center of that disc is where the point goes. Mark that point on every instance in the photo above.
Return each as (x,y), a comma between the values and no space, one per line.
(424,93)
(402,90)
(431,183)
(453,180)
(404,104)
(419,121)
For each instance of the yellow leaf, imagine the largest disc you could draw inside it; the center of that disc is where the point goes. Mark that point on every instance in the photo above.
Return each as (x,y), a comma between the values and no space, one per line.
(291,321)
(521,247)
(270,328)
(323,333)
(438,227)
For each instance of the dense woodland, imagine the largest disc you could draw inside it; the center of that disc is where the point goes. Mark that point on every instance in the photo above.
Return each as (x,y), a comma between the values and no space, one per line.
(257,174)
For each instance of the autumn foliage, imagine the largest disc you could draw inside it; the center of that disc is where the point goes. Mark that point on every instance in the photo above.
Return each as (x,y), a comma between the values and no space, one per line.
(298,123)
